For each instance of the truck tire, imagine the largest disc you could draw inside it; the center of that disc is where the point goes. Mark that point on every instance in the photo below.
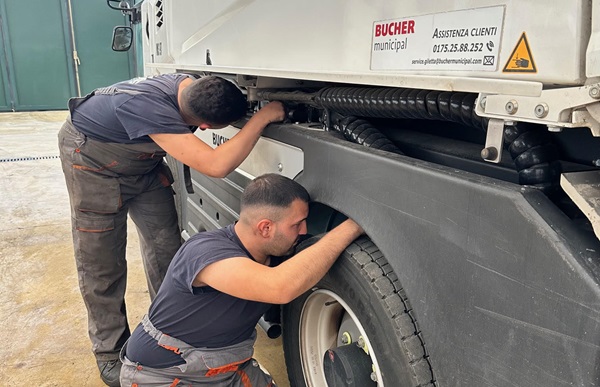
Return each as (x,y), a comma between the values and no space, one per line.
(358,302)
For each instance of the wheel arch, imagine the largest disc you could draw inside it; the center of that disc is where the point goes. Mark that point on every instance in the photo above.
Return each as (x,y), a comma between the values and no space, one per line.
(475,255)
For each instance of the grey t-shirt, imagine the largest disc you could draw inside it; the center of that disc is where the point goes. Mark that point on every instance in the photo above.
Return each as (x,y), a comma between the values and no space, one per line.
(138,108)
(202,317)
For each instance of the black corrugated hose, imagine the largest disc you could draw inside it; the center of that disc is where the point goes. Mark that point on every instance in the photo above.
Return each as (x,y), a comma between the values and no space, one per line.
(402,103)
(534,155)
(361,131)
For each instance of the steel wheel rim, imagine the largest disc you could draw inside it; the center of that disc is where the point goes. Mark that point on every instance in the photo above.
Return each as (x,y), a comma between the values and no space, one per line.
(318,332)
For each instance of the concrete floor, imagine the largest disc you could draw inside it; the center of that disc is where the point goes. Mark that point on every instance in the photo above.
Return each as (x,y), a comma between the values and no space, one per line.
(44,322)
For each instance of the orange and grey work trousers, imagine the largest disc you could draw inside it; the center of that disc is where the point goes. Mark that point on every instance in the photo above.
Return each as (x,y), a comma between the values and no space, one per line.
(231,366)
(107,182)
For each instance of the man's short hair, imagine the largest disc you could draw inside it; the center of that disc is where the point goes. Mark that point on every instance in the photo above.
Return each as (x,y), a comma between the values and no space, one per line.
(273,190)
(214,100)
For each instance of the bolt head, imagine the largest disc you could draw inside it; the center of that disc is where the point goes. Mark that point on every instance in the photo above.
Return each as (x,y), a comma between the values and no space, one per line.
(595,92)
(541,110)
(556,129)
(511,106)
(489,153)
(482,102)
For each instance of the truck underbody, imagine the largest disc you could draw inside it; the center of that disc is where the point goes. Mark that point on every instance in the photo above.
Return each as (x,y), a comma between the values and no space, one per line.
(476,188)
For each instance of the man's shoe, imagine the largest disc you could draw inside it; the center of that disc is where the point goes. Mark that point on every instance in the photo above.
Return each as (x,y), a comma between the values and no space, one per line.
(110,371)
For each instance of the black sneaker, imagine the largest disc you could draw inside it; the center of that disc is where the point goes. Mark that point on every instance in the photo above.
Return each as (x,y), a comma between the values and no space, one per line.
(110,371)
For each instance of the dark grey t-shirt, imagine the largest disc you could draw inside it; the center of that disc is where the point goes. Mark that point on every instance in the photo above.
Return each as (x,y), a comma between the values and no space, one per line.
(202,317)
(128,118)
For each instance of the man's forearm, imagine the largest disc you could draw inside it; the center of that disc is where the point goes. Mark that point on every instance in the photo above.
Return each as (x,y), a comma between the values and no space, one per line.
(305,269)
(234,152)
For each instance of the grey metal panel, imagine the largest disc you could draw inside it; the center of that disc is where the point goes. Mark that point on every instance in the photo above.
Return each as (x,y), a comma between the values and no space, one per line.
(215,203)
(504,287)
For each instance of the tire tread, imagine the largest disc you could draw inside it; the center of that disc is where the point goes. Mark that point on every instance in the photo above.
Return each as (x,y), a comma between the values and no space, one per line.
(365,255)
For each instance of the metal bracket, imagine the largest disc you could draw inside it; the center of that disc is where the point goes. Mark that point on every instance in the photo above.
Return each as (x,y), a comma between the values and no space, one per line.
(494,141)
(584,189)
(556,108)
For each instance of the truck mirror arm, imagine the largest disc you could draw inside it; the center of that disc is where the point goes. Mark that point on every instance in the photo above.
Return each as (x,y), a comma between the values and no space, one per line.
(135,16)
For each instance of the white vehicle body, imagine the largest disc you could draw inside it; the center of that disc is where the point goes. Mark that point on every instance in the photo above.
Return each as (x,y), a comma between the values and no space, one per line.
(501,267)
(271,39)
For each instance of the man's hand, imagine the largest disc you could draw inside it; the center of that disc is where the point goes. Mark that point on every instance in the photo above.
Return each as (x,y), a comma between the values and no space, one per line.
(272,112)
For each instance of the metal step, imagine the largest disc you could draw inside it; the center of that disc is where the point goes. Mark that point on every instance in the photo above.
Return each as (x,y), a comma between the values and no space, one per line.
(584,189)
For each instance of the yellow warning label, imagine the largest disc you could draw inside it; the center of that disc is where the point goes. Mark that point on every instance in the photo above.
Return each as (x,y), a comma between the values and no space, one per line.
(521,60)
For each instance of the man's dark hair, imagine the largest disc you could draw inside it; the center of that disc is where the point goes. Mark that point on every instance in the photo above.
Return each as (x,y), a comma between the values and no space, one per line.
(273,190)
(214,100)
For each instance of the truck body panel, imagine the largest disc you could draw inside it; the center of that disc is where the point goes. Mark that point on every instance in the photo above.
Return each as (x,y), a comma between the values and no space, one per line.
(504,286)
(336,38)
(502,273)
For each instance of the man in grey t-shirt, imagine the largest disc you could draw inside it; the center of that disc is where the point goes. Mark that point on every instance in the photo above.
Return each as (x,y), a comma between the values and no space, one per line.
(112,148)
(200,329)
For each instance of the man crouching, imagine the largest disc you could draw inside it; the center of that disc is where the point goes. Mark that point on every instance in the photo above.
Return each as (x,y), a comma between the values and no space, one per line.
(200,329)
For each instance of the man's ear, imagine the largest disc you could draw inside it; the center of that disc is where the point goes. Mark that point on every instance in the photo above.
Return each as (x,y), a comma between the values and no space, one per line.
(265,228)
(204,126)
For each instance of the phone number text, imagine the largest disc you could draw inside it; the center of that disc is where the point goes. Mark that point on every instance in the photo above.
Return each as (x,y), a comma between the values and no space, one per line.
(458,47)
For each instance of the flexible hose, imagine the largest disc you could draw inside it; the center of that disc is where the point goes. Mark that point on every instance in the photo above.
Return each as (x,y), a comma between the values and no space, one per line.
(361,132)
(402,103)
(534,155)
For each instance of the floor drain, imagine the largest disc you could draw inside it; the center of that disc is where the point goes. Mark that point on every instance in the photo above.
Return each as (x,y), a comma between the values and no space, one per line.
(15,159)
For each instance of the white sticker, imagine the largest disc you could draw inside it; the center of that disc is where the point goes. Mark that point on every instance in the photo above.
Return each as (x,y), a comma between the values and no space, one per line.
(465,40)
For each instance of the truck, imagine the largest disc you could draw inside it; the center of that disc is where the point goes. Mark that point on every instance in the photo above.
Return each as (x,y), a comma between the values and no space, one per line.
(462,135)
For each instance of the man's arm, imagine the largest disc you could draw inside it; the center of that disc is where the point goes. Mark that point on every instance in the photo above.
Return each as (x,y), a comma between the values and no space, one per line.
(246,279)
(221,161)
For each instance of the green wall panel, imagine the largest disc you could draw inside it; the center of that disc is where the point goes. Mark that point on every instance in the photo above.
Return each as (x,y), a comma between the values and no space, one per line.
(37,69)
(3,100)
(100,66)
(39,53)
(4,90)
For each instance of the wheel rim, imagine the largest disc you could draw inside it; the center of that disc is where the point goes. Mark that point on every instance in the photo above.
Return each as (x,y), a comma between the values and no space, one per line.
(319,331)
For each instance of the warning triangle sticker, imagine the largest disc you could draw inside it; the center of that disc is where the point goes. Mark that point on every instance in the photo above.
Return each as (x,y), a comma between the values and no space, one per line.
(521,60)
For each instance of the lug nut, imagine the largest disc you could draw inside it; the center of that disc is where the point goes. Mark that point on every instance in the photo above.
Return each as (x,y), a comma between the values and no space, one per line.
(361,342)
(373,376)
(346,338)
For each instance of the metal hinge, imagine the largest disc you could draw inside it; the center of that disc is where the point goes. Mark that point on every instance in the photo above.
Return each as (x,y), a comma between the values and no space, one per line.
(571,107)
